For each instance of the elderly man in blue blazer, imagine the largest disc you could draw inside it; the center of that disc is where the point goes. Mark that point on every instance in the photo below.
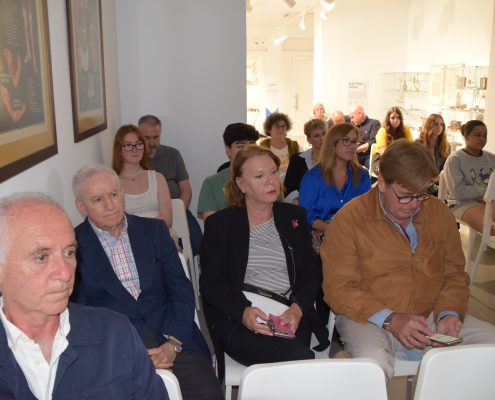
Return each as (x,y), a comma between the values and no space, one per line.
(50,349)
(130,265)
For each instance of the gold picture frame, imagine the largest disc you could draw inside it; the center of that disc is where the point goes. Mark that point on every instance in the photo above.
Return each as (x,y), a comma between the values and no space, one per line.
(27,120)
(86,67)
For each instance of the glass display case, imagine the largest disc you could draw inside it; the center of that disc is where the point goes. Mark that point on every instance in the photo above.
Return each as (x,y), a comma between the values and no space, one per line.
(408,91)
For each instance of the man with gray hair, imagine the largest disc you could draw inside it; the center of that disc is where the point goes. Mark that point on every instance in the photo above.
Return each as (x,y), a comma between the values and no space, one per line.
(50,348)
(393,266)
(130,265)
(368,129)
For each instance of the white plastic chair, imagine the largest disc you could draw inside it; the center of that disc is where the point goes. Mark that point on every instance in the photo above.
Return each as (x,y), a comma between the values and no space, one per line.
(234,370)
(180,226)
(349,379)
(486,239)
(457,373)
(186,271)
(171,383)
(373,150)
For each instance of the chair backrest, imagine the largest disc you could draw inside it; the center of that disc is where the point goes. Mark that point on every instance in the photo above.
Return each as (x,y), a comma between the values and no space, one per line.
(373,150)
(181,228)
(186,271)
(171,383)
(442,187)
(348,379)
(455,373)
(489,198)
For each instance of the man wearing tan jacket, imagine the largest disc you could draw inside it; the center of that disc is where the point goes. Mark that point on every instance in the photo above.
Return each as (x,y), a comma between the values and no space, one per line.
(393,265)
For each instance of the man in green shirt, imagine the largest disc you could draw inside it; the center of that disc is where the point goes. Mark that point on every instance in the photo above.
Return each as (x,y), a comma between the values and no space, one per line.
(211,197)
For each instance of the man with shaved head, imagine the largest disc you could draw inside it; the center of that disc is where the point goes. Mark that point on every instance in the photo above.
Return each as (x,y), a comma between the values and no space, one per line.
(368,128)
(50,349)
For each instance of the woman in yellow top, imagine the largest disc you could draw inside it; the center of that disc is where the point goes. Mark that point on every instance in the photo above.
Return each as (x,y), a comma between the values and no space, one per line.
(393,128)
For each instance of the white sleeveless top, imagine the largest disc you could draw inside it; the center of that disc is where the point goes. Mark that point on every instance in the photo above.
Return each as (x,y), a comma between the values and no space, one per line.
(144,204)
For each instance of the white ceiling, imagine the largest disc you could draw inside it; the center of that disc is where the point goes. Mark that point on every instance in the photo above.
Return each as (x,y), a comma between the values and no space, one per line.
(271,17)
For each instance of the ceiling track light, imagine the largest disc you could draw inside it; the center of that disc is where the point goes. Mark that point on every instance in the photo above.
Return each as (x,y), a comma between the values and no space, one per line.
(290,3)
(280,39)
(249,6)
(302,26)
(328,5)
(323,14)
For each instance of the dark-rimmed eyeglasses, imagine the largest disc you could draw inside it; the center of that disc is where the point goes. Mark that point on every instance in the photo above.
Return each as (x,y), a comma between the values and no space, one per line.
(410,197)
(349,142)
(130,147)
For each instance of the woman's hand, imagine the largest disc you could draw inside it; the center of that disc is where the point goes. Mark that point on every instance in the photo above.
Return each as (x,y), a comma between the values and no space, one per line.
(249,321)
(292,316)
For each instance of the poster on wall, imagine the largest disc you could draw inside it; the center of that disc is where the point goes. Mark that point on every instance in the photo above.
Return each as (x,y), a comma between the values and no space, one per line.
(86,67)
(357,93)
(27,122)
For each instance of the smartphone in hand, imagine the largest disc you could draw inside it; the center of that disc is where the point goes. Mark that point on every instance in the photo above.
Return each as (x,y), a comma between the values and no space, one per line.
(445,339)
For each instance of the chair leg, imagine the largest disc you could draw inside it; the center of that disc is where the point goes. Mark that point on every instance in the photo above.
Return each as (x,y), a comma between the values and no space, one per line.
(228,392)
(477,261)
(409,391)
(471,240)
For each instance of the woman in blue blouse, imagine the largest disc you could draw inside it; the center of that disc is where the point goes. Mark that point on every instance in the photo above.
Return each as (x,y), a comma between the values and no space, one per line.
(336,179)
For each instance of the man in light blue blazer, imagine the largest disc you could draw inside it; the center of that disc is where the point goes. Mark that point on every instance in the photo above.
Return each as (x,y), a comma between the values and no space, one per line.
(130,265)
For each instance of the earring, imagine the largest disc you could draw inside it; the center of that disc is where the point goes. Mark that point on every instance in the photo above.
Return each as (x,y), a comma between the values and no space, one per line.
(243,191)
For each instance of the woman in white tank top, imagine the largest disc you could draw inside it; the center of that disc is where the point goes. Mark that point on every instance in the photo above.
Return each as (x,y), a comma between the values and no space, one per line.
(146,191)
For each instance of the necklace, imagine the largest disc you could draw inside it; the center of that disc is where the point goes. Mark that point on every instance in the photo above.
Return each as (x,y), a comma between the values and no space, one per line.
(132,177)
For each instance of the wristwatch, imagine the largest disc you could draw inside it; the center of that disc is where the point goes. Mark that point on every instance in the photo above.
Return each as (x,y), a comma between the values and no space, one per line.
(387,322)
(176,344)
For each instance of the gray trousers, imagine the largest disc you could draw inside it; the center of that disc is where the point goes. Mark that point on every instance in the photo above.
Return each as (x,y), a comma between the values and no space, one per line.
(370,341)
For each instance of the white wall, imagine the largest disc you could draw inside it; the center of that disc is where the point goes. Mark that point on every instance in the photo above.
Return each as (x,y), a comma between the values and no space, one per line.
(362,40)
(490,97)
(184,61)
(54,175)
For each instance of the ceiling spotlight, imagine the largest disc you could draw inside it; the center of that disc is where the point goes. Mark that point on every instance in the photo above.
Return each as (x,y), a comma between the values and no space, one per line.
(328,5)
(290,3)
(323,15)
(301,23)
(280,39)
(249,6)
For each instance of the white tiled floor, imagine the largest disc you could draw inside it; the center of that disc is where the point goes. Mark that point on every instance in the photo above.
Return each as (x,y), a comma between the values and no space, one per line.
(481,303)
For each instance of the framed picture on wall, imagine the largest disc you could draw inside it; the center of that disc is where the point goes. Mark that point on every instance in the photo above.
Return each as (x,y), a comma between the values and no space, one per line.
(86,67)
(27,121)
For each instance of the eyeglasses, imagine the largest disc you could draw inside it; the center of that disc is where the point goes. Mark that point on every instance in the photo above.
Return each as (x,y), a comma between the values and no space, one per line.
(280,126)
(348,142)
(130,147)
(410,197)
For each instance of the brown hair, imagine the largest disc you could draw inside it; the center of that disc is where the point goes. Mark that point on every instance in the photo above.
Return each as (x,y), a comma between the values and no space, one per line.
(397,133)
(409,164)
(327,153)
(119,141)
(442,143)
(274,118)
(314,123)
(233,195)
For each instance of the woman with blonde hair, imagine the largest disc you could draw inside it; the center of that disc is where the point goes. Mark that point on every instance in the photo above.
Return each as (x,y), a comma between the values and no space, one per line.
(337,178)
(146,191)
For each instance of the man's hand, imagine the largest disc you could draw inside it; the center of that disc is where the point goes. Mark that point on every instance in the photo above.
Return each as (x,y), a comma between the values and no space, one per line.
(363,148)
(449,325)
(292,316)
(163,357)
(410,330)
(250,322)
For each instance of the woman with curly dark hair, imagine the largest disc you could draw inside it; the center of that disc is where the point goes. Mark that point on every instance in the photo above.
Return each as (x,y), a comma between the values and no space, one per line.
(276,127)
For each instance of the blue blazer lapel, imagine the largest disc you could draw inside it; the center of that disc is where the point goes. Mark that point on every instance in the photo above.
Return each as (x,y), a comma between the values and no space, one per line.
(143,251)
(96,262)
